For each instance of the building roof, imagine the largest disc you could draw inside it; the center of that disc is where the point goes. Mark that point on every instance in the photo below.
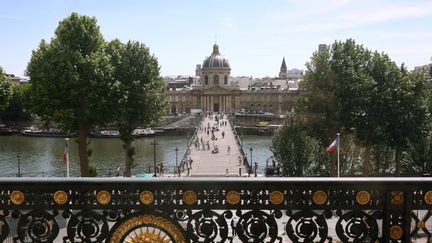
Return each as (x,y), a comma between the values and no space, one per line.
(216,60)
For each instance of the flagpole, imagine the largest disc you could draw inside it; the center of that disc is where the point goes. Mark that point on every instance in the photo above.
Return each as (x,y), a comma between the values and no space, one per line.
(338,165)
(67,157)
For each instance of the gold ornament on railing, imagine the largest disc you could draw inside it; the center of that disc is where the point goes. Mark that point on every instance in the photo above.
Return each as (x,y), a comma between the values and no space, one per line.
(363,197)
(428,197)
(17,197)
(396,232)
(397,198)
(420,224)
(146,197)
(60,197)
(276,197)
(147,228)
(103,197)
(190,197)
(319,197)
(233,197)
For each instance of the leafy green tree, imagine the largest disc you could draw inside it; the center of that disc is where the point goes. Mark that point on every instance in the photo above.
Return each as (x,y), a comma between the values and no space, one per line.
(365,95)
(16,110)
(5,90)
(140,91)
(71,79)
(298,153)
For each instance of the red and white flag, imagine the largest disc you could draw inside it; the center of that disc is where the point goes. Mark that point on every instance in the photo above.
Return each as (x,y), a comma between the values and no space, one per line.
(333,145)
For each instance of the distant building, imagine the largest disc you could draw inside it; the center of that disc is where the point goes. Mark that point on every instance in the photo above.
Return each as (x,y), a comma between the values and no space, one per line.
(295,74)
(322,47)
(425,69)
(216,91)
(16,80)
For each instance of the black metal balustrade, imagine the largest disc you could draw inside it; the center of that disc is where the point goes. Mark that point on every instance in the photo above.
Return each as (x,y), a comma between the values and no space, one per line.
(216,210)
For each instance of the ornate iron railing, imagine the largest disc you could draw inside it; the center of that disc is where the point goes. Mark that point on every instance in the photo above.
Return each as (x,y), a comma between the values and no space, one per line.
(216,210)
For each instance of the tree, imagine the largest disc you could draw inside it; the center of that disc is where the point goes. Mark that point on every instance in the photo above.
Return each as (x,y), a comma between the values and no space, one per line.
(71,79)
(5,90)
(16,110)
(140,91)
(366,95)
(298,153)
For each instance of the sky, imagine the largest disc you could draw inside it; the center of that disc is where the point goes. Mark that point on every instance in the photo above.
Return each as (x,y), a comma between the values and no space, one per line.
(253,35)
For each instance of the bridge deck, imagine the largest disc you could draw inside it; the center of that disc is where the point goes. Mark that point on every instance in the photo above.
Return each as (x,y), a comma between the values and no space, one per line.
(227,162)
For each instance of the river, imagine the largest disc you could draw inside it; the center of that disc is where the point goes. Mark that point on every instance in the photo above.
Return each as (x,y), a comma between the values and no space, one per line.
(43,156)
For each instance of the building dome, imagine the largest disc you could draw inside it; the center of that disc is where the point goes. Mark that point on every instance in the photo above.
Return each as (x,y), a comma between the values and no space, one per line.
(216,60)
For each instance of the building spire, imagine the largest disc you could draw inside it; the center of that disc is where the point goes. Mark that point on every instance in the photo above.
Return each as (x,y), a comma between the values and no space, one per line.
(283,70)
(283,66)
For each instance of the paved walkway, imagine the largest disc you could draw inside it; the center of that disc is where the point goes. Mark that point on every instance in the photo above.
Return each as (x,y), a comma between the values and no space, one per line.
(227,161)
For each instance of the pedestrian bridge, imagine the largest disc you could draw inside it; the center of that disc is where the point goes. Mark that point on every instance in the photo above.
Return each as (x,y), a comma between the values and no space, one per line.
(215,210)
(214,150)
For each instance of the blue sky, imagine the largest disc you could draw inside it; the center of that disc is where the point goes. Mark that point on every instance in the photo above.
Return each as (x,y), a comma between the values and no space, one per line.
(253,35)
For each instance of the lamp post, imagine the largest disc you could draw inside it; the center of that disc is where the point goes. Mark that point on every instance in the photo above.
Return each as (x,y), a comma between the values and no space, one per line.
(19,165)
(250,168)
(178,171)
(154,155)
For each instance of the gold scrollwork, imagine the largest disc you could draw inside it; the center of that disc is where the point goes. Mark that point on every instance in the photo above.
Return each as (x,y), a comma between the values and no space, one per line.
(148,225)
(103,197)
(60,197)
(233,197)
(396,232)
(146,197)
(17,197)
(397,198)
(428,197)
(190,197)
(363,197)
(276,197)
(319,197)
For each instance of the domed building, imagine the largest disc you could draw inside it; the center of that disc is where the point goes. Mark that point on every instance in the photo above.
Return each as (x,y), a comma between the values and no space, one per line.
(214,92)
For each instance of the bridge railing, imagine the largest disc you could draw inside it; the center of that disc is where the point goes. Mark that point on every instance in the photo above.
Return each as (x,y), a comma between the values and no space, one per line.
(239,142)
(184,163)
(216,210)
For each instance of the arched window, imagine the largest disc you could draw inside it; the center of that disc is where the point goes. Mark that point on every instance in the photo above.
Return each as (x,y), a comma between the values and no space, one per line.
(226,80)
(206,80)
(216,79)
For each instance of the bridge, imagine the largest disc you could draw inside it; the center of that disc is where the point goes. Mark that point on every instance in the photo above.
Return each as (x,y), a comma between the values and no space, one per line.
(214,150)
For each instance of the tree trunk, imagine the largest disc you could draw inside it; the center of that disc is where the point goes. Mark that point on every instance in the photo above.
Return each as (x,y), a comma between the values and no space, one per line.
(397,161)
(367,161)
(128,159)
(82,150)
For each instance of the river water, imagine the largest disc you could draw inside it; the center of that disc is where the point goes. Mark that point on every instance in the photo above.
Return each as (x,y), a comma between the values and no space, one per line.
(43,157)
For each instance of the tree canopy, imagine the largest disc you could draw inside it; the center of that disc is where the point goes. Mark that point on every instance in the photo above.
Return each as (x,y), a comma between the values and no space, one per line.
(71,79)
(5,90)
(139,91)
(379,107)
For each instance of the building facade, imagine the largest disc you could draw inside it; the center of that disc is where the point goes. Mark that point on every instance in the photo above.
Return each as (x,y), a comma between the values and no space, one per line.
(214,92)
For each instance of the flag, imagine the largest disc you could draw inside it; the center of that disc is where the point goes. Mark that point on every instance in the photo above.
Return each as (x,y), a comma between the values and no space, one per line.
(66,155)
(333,145)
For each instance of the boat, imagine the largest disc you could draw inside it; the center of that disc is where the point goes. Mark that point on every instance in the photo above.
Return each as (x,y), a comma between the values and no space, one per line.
(57,133)
(105,134)
(140,132)
(5,131)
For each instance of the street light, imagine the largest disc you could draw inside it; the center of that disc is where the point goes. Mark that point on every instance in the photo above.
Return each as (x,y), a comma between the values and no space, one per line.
(19,165)
(154,155)
(250,168)
(178,171)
